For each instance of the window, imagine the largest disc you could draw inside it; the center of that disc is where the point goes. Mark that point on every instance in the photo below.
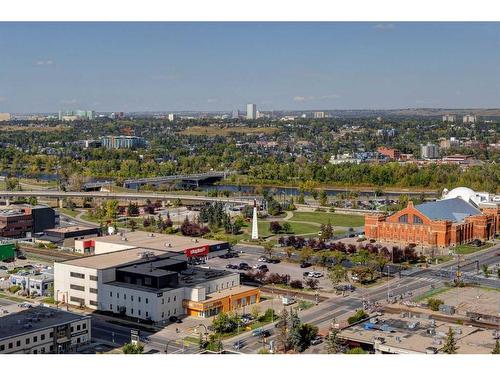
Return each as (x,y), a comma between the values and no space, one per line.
(163,301)
(93,290)
(51,349)
(78,340)
(72,329)
(139,313)
(125,297)
(111,294)
(84,326)
(168,301)
(132,298)
(175,297)
(77,275)
(110,306)
(42,350)
(162,314)
(10,345)
(27,341)
(93,303)
(175,311)
(403,219)
(2,348)
(76,299)
(78,327)
(417,220)
(147,281)
(132,311)
(93,278)
(77,287)
(35,351)
(147,314)
(35,339)
(147,301)
(51,334)
(117,295)
(139,299)
(42,337)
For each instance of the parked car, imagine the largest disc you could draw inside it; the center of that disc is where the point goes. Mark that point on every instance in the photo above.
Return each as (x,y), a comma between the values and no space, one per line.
(257,332)
(265,333)
(21,256)
(29,267)
(244,266)
(317,340)
(262,259)
(173,319)
(3,268)
(263,268)
(273,260)
(306,274)
(229,266)
(305,264)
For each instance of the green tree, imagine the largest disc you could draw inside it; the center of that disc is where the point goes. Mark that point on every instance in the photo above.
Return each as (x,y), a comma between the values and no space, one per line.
(305,254)
(286,227)
(337,274)
(450,347)
(111,208)
(434,303)
(131,348)
(333,342)
(496,349)
(323,198)
(355,351)
(268,248)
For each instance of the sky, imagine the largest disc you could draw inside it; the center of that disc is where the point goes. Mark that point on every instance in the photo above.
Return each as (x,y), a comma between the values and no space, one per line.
(45,67)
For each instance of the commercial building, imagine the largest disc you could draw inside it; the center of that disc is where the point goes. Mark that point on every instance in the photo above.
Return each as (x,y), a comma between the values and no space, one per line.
(172,117)
(415,333)
(24,220)
(42,330)
(461,216)
(156,241)
(5,116)
(121,141)
(319,115)
(66,236)
(391,153)
(150,285)
(429,151)
(251,112)
(448,143)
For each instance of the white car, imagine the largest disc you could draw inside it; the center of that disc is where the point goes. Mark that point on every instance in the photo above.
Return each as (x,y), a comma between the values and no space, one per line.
(262,259)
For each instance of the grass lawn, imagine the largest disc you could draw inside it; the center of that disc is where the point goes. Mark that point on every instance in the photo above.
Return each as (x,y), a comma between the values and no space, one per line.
(335,219)
(296,228)
(12,298)
(469,249)
(68,212)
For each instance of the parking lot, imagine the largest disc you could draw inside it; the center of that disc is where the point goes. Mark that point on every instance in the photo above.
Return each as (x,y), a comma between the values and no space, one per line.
(252,259)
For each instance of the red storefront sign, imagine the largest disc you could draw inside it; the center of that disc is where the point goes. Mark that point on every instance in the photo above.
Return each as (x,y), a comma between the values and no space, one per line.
(197,251)
(88,243)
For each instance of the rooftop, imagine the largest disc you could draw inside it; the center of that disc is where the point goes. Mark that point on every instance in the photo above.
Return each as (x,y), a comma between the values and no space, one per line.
(454,209)
(407,333)
(119,258)
(69,229)
(157,241)
(16,320)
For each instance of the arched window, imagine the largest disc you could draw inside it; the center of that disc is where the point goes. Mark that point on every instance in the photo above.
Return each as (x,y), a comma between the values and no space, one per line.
(417,220)
(403,219)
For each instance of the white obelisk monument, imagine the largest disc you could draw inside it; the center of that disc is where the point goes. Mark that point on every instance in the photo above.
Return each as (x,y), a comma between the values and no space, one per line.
(255,228)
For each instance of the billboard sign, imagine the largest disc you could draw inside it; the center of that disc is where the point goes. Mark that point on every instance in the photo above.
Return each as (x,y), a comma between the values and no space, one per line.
(197,251)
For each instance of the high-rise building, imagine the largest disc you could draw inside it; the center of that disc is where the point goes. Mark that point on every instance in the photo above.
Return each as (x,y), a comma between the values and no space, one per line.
(469,119)
(449,118)
(235,114)
(251,111)
(76,115)
(429,151)
(319,115)
(172,117)
(122,141)
(5,117)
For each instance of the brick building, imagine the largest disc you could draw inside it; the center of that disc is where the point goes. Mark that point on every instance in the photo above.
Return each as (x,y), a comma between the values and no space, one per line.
(448,222)
(391,153)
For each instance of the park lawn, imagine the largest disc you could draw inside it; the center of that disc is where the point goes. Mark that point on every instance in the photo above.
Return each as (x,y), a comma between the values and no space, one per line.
(342,220)
(469,249)
(296,228)
(68,212)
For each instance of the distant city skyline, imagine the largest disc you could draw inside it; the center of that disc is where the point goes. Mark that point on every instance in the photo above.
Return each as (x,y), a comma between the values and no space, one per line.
(134,67)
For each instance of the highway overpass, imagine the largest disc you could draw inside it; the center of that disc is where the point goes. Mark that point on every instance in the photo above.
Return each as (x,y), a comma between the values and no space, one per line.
(187,179)
(164,197)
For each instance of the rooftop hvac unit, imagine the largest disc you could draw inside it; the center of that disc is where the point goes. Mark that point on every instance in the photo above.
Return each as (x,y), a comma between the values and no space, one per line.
(27,326)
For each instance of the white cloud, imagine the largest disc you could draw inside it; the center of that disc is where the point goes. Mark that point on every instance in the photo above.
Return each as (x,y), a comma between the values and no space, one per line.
(384,26)
(302,98)
(44,62)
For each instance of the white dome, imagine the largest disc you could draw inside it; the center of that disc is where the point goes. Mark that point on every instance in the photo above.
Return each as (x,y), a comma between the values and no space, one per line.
(464,193)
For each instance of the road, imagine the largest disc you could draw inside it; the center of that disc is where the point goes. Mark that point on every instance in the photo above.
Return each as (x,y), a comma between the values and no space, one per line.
(415,283)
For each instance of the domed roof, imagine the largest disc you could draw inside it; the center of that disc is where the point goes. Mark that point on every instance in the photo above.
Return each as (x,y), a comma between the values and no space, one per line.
(461,192)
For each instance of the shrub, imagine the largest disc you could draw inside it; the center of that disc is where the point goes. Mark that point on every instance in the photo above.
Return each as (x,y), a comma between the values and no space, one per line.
(434,303)
(360,315)
(296,284)
(14,288)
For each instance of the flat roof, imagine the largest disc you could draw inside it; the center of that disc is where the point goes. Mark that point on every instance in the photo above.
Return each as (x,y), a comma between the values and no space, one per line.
(118,258)
(69,229)
(156,241)
(405,336)
(20,320)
